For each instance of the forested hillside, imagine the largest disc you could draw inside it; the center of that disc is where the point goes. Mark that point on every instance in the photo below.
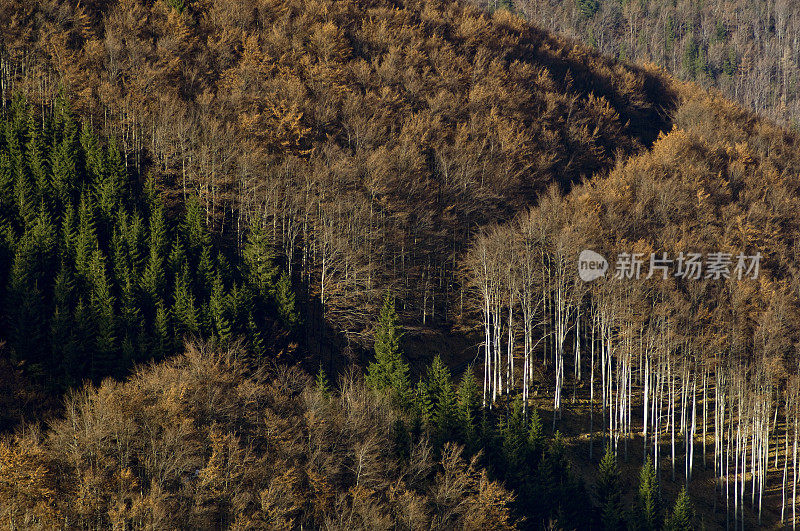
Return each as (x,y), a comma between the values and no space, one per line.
(747,49)
(369,138)
(288,182)
(95,276)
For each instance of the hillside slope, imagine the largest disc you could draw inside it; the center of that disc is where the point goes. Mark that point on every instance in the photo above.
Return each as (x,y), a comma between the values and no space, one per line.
(371,137)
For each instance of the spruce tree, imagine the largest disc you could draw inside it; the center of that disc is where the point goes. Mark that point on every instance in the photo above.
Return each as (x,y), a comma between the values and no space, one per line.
(608,495)
(646,514)
(284,299)
(468,408)
(259,262)
(401,439)
(321,382)
(103,318)
(161,326)
(389,371)
(218,306)
(35,159)
(445,416)
(514,442)
(184,305)
(63,157)
(682,514)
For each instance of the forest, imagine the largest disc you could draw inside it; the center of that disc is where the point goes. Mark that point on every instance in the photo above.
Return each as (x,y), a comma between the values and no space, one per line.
(747,50)
(314,264)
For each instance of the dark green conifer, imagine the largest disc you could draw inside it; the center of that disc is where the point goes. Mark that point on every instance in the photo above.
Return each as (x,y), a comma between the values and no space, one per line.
(682,516)
(608,493)
(389,371)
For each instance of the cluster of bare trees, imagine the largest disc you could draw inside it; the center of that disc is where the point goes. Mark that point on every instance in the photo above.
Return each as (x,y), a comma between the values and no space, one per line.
(201,441)
(372,140)
(749,50)
(704,371)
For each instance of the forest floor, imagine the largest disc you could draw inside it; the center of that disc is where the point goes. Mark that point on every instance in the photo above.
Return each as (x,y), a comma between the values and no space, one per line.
(585,449)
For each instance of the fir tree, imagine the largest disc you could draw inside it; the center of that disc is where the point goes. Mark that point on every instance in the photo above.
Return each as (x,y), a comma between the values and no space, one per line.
(389,371)
(102,310)
(321,382)
(468,408)
(184,306)
(284,299)
(647,502)
(682,514)
(259,262)
(608,492)
(514,442)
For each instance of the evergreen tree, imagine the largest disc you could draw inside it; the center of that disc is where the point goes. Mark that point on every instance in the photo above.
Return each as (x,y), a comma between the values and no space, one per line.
(468,408)
(389,371)
(153,275)
(445,416)
(535,435)
(163,342)
(401,439)
(86,241)
(646,515)
(682,514)
(63,156)
(259,262)
(218,305)
(102,310)
(514,443)
(422,401)
(608,495)
(193,228)
(321,382)
(184,306)
(284,299)
(35,158)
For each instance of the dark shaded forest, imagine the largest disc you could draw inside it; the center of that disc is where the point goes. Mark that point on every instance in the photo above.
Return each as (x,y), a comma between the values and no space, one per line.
(747,50)
(204,202)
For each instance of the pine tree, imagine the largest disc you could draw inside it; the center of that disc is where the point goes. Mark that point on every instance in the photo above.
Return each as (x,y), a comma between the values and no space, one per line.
(682,514)
(104,361)
(389,371)
(35,159)
(468,408)
(259,262)
(445,416)
(514,442)
(401,439)
(184,306)
(321,382)
(608,492)
(647,501)
(218,305)
(284,299)
(63,156)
